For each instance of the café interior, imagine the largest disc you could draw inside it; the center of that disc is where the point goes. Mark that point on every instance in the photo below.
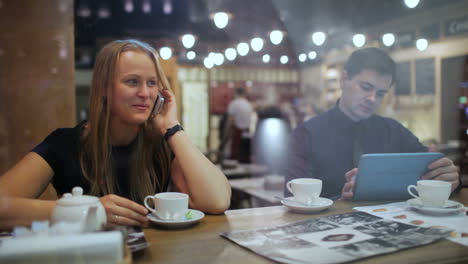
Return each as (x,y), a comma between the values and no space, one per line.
(289,58)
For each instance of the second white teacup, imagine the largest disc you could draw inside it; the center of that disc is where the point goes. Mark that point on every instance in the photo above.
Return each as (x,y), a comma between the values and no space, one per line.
(305,190)
(431,193)
(168,205)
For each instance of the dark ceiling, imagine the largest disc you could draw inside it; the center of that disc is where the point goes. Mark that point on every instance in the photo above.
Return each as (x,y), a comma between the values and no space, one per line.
(250,18)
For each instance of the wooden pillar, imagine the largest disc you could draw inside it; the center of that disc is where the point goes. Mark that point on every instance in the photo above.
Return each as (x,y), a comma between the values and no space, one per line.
(37,93)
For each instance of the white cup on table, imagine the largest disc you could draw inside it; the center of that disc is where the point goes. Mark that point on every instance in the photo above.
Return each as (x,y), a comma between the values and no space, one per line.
(168,205)
(431,193)
(305,190)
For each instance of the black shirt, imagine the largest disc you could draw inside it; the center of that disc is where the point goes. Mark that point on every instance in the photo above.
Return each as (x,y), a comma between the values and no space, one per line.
(322,147)
(61,149)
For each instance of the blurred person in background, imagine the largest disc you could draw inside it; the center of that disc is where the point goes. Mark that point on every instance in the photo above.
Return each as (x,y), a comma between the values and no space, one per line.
(237,127)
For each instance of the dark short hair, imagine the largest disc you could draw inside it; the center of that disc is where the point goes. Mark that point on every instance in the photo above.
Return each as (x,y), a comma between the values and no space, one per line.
(240,91)
(370,59)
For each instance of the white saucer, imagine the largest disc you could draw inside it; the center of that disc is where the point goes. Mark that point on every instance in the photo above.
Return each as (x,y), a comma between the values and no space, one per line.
(184,222)
(450,207)
(320,205)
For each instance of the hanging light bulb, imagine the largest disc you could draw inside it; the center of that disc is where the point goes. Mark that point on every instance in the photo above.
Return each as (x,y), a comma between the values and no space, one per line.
(388,39)
(242,48)
(230,54)
(188,40)
(319,38)
(359,40)
(276,36)
(266,58)
(411,3)
(302,57)
(218,59)
(208,62)
(191,55)
(166,53)
(312,55)
(422,44)
(256,44)
(284,59)
(221,20)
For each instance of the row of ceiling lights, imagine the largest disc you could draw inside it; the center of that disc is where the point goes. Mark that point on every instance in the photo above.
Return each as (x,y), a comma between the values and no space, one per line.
(221,20)
(276,36)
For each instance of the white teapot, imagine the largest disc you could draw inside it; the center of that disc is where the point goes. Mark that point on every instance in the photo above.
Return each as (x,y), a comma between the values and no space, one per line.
(83,209)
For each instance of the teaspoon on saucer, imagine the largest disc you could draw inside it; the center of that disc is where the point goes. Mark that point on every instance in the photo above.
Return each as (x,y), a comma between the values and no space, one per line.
(291,201)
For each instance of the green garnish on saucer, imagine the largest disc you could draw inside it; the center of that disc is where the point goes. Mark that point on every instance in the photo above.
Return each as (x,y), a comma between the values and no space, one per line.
(189,215)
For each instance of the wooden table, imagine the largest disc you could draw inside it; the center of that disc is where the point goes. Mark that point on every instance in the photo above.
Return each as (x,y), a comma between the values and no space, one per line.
(203,244)
(255,187)
(245,170)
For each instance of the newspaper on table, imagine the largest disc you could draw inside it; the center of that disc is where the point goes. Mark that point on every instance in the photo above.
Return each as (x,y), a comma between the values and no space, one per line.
(403,213)
(335,238)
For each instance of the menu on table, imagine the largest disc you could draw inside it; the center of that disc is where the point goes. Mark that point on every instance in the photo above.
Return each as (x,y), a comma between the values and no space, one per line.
(335,238)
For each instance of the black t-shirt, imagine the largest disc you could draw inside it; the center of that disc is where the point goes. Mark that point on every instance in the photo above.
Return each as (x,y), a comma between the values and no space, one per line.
(60,150)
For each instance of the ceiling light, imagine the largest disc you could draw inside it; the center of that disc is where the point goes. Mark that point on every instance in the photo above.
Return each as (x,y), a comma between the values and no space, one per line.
(188,40)
(242,48)
(218,59)
(166,53)
(312,55)
(146,7)
(221,19)
(208,62)
(421,44)
(388,39)
(302,57)
(103,12)
(266,58)
(84,11)
(167,7)
(276,36)
(359,40)
(256,44)
(411,3)
(128,6)
(284,59)
(319,38)
(230,54)
(191,55)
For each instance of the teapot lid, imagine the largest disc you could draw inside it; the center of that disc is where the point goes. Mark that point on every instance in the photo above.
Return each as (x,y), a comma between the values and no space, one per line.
(77,198)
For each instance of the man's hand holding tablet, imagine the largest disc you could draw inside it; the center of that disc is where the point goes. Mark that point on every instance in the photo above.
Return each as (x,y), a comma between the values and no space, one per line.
(386,176)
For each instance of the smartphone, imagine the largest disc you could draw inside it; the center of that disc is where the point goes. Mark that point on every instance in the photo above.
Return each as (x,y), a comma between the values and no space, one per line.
(158,105)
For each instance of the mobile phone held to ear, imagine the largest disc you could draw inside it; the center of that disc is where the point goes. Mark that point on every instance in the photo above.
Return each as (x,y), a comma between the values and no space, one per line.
(158,105)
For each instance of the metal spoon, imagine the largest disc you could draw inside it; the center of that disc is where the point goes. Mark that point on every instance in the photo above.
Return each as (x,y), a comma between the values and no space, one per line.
(291,201)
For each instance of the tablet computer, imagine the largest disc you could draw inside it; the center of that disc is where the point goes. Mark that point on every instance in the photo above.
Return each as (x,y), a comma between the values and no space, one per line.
(386,176)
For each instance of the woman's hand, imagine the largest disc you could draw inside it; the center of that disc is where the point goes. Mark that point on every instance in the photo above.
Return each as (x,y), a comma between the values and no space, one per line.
(121,211)
(167,118)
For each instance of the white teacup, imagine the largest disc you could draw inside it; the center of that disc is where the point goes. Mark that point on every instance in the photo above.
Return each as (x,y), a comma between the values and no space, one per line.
(305,190)
(431,193)
(168,205)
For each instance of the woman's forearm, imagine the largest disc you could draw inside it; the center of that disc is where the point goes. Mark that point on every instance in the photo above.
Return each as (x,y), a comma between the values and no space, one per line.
(208,187)
(16,211)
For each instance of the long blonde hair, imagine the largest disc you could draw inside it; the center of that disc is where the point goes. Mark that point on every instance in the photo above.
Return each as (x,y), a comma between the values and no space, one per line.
(149,164)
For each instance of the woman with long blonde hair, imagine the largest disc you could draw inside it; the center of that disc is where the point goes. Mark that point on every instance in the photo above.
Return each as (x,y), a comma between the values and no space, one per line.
(122,153)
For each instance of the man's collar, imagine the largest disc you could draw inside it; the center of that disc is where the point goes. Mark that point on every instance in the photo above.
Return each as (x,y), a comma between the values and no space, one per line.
(343,118)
